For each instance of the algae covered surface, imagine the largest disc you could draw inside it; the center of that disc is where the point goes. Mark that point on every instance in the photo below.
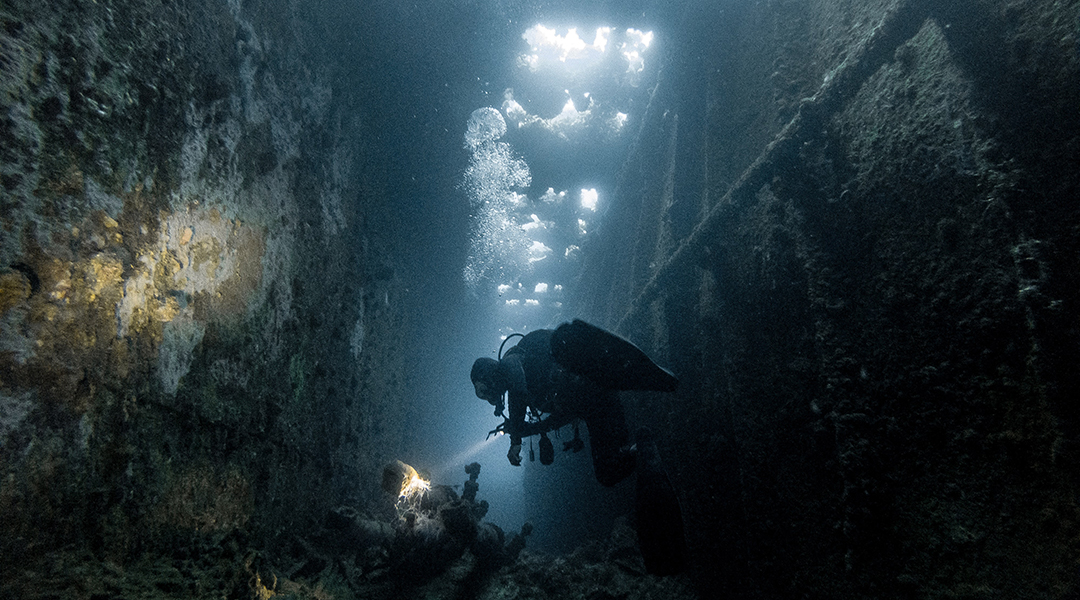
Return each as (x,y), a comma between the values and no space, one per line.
(164,352)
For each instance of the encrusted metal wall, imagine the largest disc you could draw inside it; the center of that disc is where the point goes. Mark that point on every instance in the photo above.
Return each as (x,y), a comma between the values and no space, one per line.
(866,279)
(199,304)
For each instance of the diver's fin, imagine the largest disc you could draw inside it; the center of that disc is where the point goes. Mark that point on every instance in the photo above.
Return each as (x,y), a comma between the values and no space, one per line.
(607,359)
(658,515)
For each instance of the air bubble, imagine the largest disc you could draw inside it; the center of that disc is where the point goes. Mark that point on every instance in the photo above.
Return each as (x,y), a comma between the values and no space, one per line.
(485,125)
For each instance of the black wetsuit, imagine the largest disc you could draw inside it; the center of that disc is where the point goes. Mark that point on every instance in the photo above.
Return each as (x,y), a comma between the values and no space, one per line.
(535,380)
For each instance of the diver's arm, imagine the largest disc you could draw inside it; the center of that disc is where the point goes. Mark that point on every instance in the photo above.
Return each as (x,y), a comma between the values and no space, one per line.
(511,368)
(515,424)
(518,400)
(518,396)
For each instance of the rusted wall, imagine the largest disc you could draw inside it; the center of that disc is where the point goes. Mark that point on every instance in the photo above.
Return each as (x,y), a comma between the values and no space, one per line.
(199,301)
(868,289)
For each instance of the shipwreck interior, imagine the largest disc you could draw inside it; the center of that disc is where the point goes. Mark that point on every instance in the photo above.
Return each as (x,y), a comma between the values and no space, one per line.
(249,250)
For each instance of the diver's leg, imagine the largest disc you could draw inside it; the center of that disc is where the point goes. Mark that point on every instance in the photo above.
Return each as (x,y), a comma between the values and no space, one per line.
(609,439)
(658,515)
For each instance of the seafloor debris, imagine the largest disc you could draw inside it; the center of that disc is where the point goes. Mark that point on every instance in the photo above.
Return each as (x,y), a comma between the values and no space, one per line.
(433,534)
(438,546)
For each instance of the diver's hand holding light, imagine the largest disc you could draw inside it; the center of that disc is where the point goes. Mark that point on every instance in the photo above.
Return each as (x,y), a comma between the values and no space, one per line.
(501,429)
(514,455)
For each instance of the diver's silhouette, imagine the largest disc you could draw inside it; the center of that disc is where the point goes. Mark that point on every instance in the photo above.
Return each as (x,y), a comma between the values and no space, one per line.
(556,377)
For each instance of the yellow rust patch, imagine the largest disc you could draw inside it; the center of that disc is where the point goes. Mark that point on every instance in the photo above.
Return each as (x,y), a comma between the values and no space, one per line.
(100,278)
(165,269)
(70,327)
(212,273)
(96,317)
(103,220)
(14,288)
(206,251)
(240,280)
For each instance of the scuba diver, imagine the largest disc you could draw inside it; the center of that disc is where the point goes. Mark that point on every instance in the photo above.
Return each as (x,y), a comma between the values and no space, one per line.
(552,378)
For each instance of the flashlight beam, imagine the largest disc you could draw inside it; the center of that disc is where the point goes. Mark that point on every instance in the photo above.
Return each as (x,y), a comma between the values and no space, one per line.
(462,457)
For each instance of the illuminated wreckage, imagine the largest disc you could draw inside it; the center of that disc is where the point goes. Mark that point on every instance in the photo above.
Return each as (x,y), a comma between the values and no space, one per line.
(435,526)
(428,529)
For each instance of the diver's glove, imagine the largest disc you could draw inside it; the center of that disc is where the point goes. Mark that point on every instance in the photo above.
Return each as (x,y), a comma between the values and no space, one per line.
(514,455)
